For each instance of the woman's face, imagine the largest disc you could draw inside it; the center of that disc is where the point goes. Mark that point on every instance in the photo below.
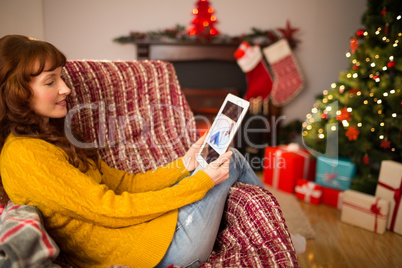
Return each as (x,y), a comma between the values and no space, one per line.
(49,94)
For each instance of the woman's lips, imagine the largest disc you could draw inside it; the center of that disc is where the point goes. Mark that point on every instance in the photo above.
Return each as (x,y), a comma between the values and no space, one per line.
(62,103)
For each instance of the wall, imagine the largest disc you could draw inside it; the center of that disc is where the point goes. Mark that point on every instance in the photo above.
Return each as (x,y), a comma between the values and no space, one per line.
(22,17)
(86,28)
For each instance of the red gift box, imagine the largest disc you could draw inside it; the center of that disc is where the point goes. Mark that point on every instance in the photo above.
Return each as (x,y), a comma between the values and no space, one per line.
(284,164)
(308,191)
(332,197)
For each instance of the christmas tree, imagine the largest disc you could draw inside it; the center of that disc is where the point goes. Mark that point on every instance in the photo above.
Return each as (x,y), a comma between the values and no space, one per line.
(360,115)
(204,21)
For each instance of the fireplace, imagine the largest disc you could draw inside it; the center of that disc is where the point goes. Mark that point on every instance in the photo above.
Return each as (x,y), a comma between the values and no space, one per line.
(206,72)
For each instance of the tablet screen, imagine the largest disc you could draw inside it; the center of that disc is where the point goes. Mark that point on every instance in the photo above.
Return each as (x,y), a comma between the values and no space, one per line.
(222,132)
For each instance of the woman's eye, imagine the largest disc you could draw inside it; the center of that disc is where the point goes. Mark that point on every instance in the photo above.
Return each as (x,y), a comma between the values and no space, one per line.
(50,83)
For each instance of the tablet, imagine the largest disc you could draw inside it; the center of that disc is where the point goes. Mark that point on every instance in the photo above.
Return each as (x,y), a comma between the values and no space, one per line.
(223,129)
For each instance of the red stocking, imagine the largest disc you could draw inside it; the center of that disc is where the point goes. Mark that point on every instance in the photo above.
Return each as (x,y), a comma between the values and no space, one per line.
(288,81)
(251,61)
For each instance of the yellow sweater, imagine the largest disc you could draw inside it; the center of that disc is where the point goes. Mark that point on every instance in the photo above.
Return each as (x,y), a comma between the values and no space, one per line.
(102,217)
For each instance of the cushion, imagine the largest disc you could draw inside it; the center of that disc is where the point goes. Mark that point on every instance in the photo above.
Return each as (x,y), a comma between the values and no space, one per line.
(23,239)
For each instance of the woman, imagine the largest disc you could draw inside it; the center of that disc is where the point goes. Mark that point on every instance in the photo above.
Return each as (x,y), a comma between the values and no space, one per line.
(98,215)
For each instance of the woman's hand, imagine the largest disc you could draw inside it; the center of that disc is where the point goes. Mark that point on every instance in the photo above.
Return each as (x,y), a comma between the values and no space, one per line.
(189,159)
(218,170)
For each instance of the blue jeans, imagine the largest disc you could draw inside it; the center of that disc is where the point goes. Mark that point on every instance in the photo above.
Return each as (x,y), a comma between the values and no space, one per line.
(198,223)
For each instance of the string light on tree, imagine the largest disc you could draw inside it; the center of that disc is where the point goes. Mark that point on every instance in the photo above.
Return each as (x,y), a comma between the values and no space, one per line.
(368,119)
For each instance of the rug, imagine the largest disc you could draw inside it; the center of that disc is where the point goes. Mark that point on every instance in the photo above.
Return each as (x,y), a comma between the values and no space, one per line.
(295,219)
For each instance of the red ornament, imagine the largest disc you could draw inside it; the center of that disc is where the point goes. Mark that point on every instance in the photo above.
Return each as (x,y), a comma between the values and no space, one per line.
(385,144)
(352,133)
(360,33)
(344,115)
(288,33)
(366,159)
(353,91)
(353,44)
(383,12)
(355,67)
(391,64)
(324,116)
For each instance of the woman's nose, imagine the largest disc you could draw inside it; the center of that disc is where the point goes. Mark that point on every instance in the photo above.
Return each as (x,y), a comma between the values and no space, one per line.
(64,89)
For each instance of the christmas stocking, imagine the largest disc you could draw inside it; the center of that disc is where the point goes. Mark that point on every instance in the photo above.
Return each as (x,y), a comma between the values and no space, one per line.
(288,80)
(251,61)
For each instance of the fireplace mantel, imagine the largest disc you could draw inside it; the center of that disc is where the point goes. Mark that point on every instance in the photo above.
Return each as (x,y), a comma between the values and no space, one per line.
(185,51)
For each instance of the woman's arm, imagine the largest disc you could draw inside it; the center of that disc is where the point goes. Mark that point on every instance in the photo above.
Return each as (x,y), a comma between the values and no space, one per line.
(153,180)
(37,173)
(163,177)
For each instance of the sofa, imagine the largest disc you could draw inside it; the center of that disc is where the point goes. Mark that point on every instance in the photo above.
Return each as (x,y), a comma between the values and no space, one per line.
(136,114)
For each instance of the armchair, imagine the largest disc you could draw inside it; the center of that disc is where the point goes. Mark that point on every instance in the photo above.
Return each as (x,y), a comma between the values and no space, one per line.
(137,115)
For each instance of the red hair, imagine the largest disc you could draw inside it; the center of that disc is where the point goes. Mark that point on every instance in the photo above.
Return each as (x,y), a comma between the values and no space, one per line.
(22,58)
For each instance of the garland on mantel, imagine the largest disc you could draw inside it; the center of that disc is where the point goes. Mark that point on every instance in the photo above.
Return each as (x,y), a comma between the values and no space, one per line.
(179,34)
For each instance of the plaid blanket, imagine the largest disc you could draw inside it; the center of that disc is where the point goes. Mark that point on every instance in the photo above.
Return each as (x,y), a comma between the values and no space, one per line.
(254,233)
(23,239)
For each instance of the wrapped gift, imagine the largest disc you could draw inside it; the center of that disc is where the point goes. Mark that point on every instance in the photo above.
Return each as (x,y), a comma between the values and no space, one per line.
(335,173)
(308,191)
(312,166)
(284,164)
(390,187)
(365,211)
(332,197)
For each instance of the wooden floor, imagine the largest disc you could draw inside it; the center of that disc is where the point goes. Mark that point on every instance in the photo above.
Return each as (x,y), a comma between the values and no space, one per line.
(338,244)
